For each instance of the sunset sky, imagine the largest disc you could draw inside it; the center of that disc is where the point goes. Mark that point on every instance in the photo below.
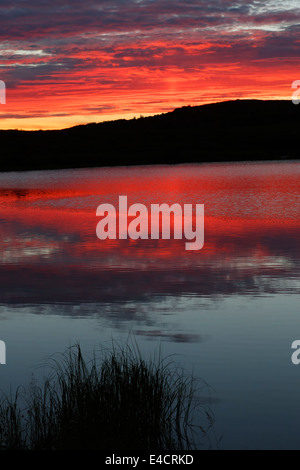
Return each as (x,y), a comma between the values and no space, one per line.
(71,62)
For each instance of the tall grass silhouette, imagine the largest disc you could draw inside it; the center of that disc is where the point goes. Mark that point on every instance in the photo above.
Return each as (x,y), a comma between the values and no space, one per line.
(118,401)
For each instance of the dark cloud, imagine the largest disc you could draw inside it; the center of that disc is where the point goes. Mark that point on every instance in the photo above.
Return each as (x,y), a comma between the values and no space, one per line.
(31,115)
(60,18)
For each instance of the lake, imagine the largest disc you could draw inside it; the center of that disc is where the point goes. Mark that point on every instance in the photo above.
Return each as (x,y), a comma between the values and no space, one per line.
(228,312)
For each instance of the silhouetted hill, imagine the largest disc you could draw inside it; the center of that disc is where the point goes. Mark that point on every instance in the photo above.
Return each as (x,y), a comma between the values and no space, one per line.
(228,131)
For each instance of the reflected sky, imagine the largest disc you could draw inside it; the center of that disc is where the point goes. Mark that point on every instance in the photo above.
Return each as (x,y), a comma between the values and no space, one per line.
(50,252)
(229,310)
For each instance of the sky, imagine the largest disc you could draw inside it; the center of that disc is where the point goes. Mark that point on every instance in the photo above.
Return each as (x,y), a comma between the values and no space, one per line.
(71,62)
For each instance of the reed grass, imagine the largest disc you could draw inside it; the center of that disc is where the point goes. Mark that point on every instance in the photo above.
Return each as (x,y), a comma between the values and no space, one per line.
(118,401)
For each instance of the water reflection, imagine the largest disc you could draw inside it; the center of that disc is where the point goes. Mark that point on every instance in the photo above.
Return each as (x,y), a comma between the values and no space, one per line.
(230,310)
(50,252)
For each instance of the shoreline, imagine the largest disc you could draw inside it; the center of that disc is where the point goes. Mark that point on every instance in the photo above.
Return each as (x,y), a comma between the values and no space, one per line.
(135,165)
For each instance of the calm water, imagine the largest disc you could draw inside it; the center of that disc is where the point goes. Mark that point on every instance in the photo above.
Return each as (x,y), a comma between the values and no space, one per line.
(229,312)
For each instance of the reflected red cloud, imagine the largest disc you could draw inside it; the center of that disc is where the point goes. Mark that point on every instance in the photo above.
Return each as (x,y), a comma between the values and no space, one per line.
(62,261)
(39,230)
(54,257)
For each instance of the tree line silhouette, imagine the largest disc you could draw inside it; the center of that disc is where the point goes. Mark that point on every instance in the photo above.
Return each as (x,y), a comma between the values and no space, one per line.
(237,130)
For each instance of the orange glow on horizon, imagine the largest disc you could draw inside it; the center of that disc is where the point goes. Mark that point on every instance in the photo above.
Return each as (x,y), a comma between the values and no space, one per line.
(108,92)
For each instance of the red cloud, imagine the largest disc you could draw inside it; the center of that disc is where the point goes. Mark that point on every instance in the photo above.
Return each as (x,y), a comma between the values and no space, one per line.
(73,59)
